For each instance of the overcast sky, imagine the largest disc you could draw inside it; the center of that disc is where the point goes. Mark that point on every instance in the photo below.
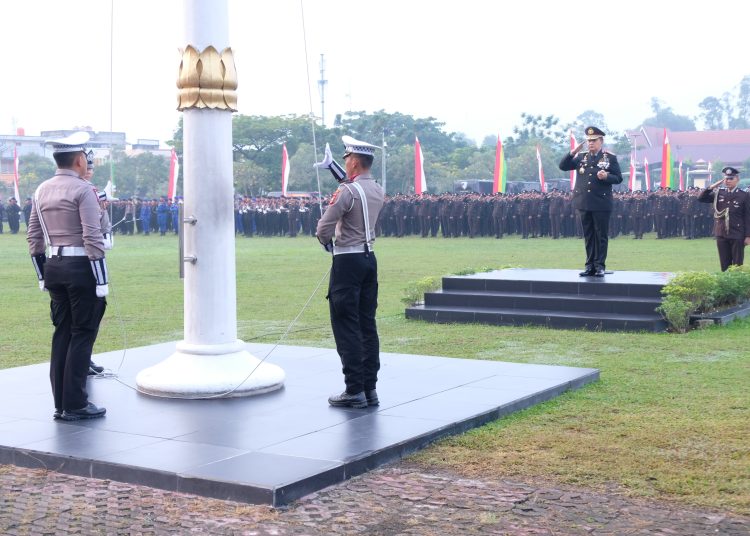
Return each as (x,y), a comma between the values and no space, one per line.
(475,65)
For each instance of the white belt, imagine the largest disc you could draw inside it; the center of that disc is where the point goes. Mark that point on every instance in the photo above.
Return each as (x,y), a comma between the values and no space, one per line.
(67,251)
(341,250)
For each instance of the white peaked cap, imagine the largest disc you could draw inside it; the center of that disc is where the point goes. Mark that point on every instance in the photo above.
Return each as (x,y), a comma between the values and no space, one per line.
(355,146)
(70,144)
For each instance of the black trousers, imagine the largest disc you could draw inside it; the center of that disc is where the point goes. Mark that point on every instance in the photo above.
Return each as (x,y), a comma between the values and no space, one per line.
(731,251)
(596,235)
(76,313)
(352,300)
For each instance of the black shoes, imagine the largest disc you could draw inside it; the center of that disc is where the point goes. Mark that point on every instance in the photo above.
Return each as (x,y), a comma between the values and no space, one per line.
(95,369)
(587,272)
(372,398)
(599,272)
(345,400)
(89,411)
(57,414)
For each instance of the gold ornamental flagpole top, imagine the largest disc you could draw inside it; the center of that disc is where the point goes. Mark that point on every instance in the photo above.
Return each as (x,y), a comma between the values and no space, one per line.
(207,79)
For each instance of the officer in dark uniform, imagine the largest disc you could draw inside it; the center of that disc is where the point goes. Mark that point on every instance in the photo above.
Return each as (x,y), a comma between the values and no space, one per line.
(731,217)
(597,171)
(65,220)
(353,289)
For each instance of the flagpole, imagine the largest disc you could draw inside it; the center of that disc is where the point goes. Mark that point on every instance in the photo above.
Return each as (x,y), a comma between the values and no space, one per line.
(385,190)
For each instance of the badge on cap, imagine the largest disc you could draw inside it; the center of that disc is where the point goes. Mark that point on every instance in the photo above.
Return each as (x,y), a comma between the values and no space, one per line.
(593,133)
(70,144)
(355,146)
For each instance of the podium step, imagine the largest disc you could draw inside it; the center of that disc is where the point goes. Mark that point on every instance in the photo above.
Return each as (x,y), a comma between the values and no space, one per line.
(621,301)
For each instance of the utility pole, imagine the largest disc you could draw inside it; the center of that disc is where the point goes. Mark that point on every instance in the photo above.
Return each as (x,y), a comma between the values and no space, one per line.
(322,87)
(384,148)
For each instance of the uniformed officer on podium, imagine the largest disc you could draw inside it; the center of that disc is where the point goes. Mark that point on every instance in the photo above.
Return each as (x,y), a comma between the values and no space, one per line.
(597,170)
(65,220)
(731,217)
(353,287)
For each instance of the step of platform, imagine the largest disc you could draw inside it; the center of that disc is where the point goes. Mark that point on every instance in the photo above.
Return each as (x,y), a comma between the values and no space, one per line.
(620,301)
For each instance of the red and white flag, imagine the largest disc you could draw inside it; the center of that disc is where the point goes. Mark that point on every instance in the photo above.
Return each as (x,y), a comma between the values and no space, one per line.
(572,171)
(174,171)
(682,178)
(420,182)
(631,180)
(15,174)
(284,170)
(646,175)
(542,184)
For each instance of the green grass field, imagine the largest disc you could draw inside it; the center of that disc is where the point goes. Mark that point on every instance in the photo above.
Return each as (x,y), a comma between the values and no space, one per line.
(669,418)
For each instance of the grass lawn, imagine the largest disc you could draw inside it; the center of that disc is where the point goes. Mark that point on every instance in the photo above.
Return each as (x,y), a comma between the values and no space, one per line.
(669,418)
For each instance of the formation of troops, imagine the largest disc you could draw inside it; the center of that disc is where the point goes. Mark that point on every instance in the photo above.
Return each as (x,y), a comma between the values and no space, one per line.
(529,214)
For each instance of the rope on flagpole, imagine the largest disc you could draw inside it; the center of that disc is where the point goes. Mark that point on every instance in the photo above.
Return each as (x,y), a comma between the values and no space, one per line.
(312,114)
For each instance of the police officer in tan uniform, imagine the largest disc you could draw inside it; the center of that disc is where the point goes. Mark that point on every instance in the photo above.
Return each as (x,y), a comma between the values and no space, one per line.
(353,288)
(731,217)
(65,221)
(597,170)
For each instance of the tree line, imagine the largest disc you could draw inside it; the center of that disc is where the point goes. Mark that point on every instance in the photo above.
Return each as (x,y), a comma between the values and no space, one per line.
(449,156)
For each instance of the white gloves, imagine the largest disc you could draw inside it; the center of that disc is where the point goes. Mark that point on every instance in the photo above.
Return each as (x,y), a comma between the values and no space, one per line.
(327,159)
(99,267)
(108,242)
(41,286)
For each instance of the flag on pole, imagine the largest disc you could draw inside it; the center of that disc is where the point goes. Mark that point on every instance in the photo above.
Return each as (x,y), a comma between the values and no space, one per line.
(667,164)
(501,169)
(572,171)
(15,174)
(646,175)
(542,184)
(174,170)
(682,178)
(631,180)
(420,182)
(284,170)
(710,172)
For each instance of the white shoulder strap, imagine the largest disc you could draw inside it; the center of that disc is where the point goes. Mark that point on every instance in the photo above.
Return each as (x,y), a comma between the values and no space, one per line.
(365,212)
(41,220)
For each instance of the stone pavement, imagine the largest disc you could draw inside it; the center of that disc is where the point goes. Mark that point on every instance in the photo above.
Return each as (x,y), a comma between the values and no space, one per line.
(398,499)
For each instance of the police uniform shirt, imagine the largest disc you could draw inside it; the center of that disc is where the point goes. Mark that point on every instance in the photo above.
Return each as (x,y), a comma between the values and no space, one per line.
(344,216)
(590,192)
(70,212)
(738,203)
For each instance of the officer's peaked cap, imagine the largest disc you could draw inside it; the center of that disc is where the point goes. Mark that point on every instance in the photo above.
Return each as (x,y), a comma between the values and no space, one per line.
(593,133)
(729,171)
(355,146)
(70,144)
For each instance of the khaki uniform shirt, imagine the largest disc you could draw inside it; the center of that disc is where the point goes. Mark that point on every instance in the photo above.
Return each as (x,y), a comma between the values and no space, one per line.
(70,212)
(344,217)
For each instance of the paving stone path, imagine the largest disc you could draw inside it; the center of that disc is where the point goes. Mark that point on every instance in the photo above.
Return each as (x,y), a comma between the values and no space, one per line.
(400,499)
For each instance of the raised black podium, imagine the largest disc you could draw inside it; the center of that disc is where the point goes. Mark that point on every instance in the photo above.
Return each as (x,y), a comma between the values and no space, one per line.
(619,301)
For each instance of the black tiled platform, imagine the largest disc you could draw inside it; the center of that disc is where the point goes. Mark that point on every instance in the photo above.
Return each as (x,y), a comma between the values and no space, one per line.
(619,301)
(269,449)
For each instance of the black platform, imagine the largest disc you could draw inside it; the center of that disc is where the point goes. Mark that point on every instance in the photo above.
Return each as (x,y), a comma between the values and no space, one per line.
(269,449)
(619,301)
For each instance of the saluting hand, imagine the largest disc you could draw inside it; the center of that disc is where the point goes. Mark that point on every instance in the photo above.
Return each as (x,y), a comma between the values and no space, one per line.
(717,183)
(578,148)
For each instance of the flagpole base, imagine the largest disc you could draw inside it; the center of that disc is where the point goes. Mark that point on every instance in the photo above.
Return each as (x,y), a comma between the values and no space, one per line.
(210,371)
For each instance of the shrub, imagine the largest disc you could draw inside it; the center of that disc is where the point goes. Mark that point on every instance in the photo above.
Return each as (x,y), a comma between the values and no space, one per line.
(733,286)
(696,288)
(676,312)
(414,292)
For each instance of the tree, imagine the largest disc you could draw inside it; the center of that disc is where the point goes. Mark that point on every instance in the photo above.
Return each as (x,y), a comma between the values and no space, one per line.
(33,169)
(589,118)
(665,117)
(712,113)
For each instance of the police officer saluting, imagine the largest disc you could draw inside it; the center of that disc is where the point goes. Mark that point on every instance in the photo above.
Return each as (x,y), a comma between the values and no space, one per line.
(731,217)
(353,288)
(597,171)
(65,220)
